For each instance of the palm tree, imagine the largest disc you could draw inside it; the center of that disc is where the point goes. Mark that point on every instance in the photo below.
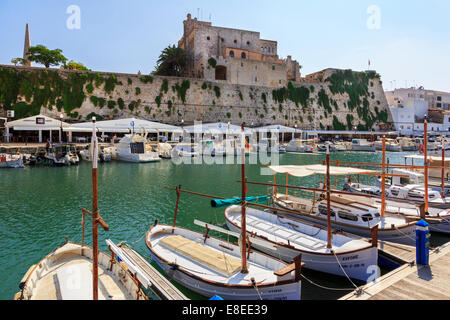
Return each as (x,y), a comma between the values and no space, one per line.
(171,62)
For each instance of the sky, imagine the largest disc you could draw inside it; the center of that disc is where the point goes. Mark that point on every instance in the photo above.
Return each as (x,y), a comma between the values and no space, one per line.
(407,42)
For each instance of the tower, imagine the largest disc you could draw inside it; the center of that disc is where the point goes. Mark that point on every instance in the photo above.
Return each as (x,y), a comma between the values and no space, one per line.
(26,47)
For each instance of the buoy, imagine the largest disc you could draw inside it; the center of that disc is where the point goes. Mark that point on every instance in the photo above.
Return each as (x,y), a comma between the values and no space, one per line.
(421,148)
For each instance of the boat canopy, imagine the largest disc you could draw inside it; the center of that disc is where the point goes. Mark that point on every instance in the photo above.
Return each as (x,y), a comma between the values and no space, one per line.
(124,126)
(308,170)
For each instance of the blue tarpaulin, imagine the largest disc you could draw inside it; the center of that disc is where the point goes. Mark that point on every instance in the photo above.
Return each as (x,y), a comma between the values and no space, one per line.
(217,203)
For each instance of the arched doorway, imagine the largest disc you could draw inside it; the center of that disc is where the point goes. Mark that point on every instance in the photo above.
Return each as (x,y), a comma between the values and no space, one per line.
(221,73)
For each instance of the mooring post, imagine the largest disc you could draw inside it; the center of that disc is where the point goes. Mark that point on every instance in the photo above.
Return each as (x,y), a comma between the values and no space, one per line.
(422,243)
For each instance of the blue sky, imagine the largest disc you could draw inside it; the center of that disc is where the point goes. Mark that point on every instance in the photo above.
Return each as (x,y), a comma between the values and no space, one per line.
(411,45)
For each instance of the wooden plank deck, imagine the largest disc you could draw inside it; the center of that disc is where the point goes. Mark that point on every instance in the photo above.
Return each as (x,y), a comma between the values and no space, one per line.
(399,253)
(161,286)
(411,282)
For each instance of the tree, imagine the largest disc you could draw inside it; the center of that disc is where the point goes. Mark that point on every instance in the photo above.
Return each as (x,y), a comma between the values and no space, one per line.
(171,62)
(15,61)
(72,65)
(41,54)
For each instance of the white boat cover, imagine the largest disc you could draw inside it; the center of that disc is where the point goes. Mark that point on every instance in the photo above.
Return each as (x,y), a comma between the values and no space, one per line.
(308,170)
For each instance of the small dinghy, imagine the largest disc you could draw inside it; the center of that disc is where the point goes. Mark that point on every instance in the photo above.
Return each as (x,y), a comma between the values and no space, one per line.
(288,238)
(11,161)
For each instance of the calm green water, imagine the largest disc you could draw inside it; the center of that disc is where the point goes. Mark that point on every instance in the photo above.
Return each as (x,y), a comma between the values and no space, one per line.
(40,206)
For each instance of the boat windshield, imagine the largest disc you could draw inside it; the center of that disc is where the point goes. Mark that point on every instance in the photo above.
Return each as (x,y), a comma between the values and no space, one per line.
(137,147)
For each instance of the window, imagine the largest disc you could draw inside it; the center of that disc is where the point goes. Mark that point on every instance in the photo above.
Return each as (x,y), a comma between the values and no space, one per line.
(242,64)
(273,67)
(248,43)
(439,98)
(231,53)
(256,79)
(208,38)
(235,41)
(323,210)
(366,217)
(243,55)
(222,39)
(347,216)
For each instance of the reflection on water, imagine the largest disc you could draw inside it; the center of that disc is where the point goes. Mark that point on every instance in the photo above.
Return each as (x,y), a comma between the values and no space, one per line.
(40,206)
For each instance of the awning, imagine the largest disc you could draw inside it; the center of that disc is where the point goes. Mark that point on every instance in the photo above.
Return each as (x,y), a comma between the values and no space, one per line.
(124,126)
(217,128)
(305,171)
(36,123)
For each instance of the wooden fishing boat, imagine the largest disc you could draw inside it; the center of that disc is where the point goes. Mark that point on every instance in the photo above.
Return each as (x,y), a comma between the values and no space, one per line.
(349,256)
(350,215)
(212,266)
(66,274)
(78,272)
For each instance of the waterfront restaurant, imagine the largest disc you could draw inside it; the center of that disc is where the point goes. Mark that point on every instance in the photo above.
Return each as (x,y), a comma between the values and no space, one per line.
(80,132)
(35,129)
(283,131)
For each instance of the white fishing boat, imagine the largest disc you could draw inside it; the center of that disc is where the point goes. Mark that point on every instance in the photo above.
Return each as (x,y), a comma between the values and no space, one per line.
(210,266)
(103,155)
(348,256)
(363,145)
(11,161)
(299,146)
(135,148)
(184,150)
(62,154)
(213,148)
(437,218)
(391,145)
(66,274)
(270,146)
(79,272)
(407,144)
(164,150)
(349,215)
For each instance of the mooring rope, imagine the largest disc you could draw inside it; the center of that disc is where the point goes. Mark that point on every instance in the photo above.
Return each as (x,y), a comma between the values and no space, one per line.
(324,287)
(337,259)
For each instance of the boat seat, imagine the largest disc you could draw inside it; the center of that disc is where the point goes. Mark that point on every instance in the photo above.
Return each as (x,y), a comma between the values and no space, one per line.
(75,282)
(218,261)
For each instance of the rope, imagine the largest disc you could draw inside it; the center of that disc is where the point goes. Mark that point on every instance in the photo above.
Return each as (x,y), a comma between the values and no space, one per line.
(256,288)
(326,288)
(413,239)
(337,259)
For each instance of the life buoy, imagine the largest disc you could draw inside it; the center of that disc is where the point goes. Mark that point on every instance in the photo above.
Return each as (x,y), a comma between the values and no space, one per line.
(421,148)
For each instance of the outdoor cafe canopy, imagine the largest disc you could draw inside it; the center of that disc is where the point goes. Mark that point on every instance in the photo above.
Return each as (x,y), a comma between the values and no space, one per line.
(124,126)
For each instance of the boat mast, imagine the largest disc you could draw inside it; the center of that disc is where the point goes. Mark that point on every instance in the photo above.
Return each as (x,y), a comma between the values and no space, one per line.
(443,171)
(383,180)
(425,134)
(94,212)
(329,235)
(243,204)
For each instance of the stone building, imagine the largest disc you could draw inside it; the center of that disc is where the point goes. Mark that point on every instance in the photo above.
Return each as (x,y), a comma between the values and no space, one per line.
(233,55)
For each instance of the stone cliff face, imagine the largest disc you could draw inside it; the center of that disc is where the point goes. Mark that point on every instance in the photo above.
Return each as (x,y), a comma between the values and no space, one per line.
(339,100)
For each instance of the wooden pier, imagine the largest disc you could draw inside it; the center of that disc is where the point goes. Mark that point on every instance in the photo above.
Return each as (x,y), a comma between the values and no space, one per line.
(396,253)
(159,284)
(411,281)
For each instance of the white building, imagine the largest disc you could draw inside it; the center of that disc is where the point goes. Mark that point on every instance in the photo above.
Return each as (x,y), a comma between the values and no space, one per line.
(410,105)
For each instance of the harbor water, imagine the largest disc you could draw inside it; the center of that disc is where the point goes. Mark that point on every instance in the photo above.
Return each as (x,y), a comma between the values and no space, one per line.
(40,206)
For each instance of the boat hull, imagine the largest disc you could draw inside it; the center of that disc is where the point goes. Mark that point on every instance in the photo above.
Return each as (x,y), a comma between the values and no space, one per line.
(137,158)
(357,265)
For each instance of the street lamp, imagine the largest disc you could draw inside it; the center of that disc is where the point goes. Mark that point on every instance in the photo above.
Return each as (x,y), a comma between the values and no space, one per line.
(60,129)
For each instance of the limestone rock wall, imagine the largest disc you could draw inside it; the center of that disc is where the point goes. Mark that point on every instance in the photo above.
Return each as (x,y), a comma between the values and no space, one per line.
(171,100)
